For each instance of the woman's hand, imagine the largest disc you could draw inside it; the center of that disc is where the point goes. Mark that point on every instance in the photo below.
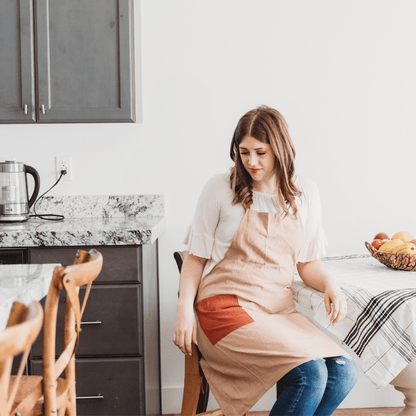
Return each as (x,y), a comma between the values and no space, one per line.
(314,274)
(185,329)
(334,296)
(185,323)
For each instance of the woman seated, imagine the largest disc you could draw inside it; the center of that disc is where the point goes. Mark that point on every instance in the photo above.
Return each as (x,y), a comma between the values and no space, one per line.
(252,228)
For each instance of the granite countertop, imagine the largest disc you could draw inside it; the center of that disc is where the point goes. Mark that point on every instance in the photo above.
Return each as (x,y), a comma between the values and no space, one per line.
(90,220)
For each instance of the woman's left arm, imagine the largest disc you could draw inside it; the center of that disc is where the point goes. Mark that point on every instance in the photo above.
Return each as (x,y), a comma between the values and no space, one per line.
(314,274)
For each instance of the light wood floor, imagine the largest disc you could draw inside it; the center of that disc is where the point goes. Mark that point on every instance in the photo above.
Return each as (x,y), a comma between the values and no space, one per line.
(377,411)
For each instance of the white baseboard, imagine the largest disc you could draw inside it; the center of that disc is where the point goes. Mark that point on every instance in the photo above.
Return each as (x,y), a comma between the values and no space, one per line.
(365,394)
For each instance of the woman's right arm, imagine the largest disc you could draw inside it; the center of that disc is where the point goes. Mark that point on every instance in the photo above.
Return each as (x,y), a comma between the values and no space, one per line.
(185,322)
(200,239)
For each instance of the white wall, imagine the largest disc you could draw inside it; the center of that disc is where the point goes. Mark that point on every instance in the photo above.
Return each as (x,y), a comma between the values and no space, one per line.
(342,73)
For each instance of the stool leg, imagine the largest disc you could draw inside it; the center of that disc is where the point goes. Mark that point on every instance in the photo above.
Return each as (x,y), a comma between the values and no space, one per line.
(192,384)
(405,382)
(203,397)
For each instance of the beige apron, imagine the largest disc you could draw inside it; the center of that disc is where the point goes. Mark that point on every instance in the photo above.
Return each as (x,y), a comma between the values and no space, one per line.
(249,331)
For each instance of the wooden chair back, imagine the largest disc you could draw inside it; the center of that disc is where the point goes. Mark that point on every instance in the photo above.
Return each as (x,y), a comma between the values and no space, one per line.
(196,389)
(23,327)
(51,394)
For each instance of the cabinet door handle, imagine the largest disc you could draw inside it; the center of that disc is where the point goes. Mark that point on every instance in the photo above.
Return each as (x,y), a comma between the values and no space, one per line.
(91,323)
(25,108)
(43,109)
(98,396)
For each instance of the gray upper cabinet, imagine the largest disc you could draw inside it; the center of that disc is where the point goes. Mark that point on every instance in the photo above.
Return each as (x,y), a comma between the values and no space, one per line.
(74,63)
(17,69)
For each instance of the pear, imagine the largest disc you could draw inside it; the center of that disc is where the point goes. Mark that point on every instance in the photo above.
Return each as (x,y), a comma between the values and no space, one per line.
(389,246)
(405,248)
(403,235)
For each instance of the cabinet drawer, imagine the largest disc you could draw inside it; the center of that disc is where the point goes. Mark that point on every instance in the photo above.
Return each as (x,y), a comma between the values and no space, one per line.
(116,328)
(120,263)
(114,386)
(13,256)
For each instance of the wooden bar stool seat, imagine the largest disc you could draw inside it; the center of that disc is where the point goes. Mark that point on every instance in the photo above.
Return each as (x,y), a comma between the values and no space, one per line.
(33,384)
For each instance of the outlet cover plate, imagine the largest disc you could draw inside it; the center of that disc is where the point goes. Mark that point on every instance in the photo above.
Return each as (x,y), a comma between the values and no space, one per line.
(64,162)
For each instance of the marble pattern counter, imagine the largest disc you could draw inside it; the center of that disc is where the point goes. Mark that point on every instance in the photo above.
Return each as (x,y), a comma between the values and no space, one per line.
(22,283)
(90,220)
(99,206)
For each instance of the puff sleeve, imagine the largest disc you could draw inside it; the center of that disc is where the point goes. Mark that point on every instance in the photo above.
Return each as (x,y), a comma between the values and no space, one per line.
(200,235)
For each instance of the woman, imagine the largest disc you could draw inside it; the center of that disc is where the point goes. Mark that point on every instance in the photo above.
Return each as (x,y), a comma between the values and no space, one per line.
(251,229)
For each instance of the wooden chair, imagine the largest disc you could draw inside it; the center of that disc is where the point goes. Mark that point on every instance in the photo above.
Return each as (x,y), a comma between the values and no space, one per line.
(22,329)
(196,388)
(49,394)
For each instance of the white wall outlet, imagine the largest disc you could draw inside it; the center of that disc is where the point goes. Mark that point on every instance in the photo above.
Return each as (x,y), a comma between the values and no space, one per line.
(64,163)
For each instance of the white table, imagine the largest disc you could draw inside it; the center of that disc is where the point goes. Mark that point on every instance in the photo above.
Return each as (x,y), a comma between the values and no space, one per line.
(380,326)
(22,283)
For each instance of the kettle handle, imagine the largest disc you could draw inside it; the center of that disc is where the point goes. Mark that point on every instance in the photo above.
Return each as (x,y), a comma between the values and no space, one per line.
(32,171)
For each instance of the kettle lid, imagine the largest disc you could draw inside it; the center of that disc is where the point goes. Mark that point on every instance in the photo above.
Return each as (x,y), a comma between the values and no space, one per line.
(11,166)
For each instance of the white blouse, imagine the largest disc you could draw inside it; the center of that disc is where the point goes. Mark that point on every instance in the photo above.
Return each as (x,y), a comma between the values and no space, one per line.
(216,219)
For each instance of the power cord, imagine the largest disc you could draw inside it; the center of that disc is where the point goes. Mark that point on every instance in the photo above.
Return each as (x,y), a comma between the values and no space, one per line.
(49,217)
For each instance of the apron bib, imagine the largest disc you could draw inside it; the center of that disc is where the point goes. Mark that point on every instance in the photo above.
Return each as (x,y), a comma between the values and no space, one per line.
(249,331)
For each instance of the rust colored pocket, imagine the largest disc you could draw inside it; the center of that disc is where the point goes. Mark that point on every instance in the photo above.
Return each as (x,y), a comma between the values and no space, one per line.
(220,315)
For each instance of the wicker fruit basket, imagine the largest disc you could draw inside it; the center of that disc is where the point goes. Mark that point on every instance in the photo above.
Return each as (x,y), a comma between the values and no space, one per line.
(395,261)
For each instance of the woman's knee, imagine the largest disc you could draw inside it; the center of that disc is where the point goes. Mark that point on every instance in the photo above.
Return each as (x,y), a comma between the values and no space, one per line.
(342,373)
(312,374)
(301,390)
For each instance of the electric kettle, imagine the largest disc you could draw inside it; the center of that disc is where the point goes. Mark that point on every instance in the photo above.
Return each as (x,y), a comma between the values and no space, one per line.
(14,196)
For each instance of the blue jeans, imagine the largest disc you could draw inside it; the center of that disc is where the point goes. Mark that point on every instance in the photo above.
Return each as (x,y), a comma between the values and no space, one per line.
(315,388)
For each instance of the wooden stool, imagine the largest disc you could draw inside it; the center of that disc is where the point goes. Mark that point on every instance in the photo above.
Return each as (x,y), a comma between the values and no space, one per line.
(22,329)
(48,394)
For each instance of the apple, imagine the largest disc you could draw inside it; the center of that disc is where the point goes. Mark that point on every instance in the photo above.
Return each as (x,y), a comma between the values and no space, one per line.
(377,243)
(381,236)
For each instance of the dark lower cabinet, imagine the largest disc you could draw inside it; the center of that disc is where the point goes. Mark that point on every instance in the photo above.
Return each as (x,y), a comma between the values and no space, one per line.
(108,386)
(118,358)
(13,256)
(111,323)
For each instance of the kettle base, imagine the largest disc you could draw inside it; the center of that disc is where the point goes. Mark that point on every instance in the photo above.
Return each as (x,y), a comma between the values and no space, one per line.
(12,219)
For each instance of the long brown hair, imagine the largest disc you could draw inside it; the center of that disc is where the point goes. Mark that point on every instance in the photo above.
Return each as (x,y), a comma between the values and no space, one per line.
(268,126)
